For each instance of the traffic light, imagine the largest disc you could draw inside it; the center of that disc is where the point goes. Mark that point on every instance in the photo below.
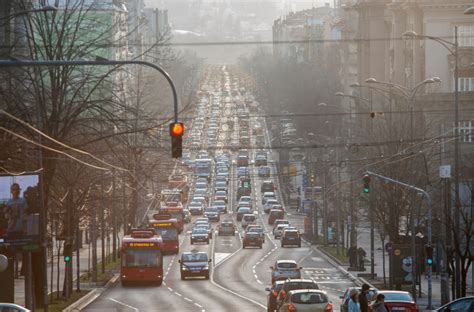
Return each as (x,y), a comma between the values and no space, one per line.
(67,253)
(429,254)
(313,179)
(176,133)
(366,180)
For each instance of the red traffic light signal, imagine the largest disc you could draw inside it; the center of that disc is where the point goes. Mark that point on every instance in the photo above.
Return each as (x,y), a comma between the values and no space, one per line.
(176,129)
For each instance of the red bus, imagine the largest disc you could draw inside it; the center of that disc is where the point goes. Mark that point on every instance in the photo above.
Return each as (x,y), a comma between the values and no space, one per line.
(176,211)
(142,257)
(167,228)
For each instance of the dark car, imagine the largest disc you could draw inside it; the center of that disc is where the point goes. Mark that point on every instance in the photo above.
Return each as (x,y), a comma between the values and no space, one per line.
(293,284)
(200,234)
(194,263)
(267,186)
(461,304)
(252,239)
(226,228)
(272,295)
(241,211)
(212,213)
(275,214)
(291,237)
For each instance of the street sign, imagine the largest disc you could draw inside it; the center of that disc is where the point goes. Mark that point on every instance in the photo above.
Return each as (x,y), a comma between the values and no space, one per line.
(445,172)
(389,247)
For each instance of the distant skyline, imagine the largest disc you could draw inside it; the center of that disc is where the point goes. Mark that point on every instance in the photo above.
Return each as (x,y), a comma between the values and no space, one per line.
(316,3)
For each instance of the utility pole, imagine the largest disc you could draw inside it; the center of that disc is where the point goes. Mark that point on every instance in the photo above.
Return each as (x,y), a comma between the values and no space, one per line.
(94,241)
(114,219)
(102,226)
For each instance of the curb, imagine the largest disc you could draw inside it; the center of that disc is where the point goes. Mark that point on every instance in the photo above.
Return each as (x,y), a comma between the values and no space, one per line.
(91,296)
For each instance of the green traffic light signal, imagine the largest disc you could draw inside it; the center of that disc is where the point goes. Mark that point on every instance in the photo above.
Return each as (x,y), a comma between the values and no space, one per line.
(429,261)
(67,258)
(366,180)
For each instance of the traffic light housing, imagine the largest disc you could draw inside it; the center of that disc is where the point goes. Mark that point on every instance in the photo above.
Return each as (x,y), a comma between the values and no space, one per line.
(176,133)
(429,254)
(67,253)
(366,180)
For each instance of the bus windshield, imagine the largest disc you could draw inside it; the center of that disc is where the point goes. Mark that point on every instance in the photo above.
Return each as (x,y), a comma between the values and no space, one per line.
(167,233)
(142,258)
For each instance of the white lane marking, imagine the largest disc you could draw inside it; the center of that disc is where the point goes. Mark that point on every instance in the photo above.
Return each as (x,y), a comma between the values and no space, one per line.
(198,305)
(187,299)
(124,304)
(170,289)
(220,256)
(178,294)
(258,281)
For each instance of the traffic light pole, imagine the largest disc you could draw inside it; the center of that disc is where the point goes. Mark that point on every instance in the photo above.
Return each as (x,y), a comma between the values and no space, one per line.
(8,63)
(430,208)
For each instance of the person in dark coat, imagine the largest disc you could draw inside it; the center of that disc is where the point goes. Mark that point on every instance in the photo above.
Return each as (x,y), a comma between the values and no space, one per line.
(363,301)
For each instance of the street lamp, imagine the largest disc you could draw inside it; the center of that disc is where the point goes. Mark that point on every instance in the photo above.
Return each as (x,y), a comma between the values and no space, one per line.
(469,11)
(45,8)
(452,48)
(408,93)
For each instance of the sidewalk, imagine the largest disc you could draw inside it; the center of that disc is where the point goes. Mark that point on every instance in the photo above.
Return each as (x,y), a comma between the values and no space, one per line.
(363,241)
(84,267)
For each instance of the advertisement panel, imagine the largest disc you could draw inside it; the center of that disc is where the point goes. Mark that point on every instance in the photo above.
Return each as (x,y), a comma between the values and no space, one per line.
(19,210)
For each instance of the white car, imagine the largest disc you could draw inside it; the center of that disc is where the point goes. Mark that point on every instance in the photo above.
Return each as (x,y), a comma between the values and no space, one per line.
(268,195)
(246,199)
(269,203)
(279,230)
(283,269)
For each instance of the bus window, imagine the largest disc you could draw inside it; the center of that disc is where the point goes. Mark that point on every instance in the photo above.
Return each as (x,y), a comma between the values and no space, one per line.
(142,258)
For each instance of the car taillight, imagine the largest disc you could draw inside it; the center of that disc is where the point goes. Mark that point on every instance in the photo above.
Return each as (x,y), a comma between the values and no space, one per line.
(283,294)
(328,308)
(275,294)
(291,308)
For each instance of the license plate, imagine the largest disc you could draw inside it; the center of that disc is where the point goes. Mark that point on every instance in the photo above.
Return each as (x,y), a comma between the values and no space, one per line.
(398,309)
(291,238)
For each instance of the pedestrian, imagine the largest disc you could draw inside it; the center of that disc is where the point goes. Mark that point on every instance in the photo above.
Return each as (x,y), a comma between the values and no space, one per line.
(353,305)
(363,301)
(379,304)
(15,212)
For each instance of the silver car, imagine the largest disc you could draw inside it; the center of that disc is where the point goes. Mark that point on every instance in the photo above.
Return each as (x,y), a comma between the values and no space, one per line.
(283,269)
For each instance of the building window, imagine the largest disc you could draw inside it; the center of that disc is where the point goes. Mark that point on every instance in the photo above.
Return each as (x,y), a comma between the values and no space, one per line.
(466,131)
(465,35)
(466,84)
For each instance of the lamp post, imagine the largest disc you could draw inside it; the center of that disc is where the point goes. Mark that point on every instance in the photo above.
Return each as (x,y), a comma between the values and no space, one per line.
(408,93)
(452,48)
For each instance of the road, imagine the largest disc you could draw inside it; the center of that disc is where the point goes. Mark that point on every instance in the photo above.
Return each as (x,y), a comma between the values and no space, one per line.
(238,276)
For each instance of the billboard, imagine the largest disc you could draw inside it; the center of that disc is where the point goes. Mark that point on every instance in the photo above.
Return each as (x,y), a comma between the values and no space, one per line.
(19,209)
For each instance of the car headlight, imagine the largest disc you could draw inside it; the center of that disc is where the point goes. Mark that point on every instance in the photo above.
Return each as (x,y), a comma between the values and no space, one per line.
(184,268)
(206,267)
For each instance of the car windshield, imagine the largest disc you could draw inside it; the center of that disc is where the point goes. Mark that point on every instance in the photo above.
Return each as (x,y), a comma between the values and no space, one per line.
(211,209)
(244,210)
(200,230)
(141,258)
(195,257)
(287,265)
(397,296)
(308,298)
(255,229)
(226,224)
(249,218)
(291,234)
